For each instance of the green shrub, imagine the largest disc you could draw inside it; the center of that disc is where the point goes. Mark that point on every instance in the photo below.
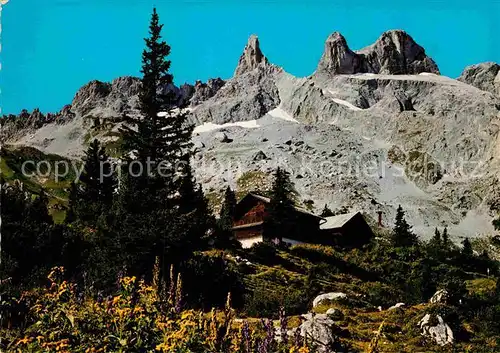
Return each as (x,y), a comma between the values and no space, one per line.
(314,253)
(264,253)
(379,294)
(265,301)
(208,278)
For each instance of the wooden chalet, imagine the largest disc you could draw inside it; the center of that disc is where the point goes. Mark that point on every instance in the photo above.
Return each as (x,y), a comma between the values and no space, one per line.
(249,218)
(347,230)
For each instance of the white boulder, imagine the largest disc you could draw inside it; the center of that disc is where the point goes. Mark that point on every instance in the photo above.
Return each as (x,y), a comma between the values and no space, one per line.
(441,296)
(319,328)
(397,306)
(221,136)
(328,297)
(441,333)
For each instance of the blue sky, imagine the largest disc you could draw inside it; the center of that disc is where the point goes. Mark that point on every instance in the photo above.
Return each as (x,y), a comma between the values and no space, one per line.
(51,48)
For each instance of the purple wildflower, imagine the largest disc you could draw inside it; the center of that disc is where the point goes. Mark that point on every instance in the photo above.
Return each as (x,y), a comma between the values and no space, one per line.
(99,297)
(283,326)
(245,333)
(297,338)
(266,344)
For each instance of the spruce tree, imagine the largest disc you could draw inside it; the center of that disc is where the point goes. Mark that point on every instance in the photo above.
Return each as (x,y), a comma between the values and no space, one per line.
(434,246)
(187,195)
(31,243)
(436,239)
(195,212)
(446,243)
(203,220)
(280,221)
(224,237)
(437,236)
(161,135)
(96,180)
(155,205)
(226,217)
(402,235)
(327,212)
(92,196)
(467,252)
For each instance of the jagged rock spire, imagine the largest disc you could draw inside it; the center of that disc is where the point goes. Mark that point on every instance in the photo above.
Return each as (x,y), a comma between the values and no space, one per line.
(251,58)
(337,57)
(394,53)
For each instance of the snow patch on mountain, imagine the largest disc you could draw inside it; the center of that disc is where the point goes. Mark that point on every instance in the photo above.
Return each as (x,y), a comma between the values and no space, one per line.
(279,113)
(206,127)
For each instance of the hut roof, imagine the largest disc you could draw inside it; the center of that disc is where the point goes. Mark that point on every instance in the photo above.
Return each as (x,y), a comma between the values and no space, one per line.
(266,199)
(338,221)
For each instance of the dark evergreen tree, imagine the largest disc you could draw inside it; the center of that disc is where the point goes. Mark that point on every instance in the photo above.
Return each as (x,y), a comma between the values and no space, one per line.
(436,239)
(161,135)
(402,235)
(226,217)
(224,237)
(92,196)
(31,243)
(97,181)
(195,212)
(434,246)
(447,245)
(280,221)
(446,238)
(467,252)
(496,223)
(157,196)
(327,212)
(203,220)
(187,194)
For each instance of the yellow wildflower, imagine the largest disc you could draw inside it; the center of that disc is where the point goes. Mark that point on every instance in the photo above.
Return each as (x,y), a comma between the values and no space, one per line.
(24,340)
(116,299)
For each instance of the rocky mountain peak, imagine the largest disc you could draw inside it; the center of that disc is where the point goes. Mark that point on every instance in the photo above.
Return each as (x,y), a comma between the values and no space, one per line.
(485,76)
(88,96)
(336,37)
(251,58)
(394,53)
(126,85)
(338,58)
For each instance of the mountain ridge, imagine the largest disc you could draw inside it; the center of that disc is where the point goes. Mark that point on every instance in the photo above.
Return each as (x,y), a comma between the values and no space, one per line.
(359,107)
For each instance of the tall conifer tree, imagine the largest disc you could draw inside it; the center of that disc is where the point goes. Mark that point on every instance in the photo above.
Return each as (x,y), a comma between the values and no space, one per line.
(226,216)
(156,198)
(446,242)
(224,237)
(280,221)
(92,196)
(402,235)
(467,252)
